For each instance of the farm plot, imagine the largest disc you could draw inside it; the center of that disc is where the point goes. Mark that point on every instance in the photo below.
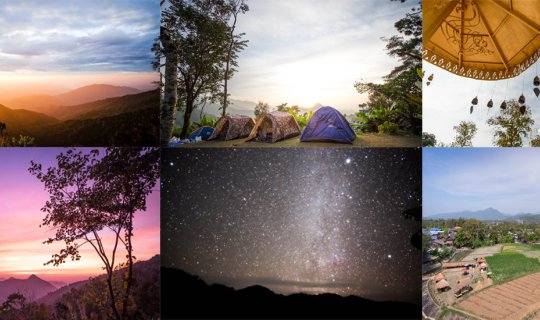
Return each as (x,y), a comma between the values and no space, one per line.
(511,300)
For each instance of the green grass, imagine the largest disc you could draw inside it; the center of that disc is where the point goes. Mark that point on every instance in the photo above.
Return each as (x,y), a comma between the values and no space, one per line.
(509,265)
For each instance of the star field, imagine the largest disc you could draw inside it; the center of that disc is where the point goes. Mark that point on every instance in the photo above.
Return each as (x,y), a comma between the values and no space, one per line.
(294,220)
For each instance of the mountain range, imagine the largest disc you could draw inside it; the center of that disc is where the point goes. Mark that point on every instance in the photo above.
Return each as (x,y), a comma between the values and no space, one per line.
(32,288)
(94,92)
(128,120)
(489,214)
(86,299)
(183,295)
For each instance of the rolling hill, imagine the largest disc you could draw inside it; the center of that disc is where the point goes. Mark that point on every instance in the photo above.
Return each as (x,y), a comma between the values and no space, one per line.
(183,295)
(32,288)
(47,103)
(131,120)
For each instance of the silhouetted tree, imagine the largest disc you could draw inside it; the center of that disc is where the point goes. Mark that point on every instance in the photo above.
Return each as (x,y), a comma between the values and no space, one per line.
(511,125)
(465,132)
(400,91)
(90,193)
(199,35)
(234,8)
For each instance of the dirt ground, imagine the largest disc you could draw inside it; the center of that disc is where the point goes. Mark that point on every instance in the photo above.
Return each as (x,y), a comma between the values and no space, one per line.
(361,141)
(511,300)
(480,281)
(484,252)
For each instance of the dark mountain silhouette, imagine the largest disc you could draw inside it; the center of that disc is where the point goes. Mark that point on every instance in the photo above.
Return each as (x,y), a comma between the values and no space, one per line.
(44,103)
(187,296)
(131,120)
(32,288)
(25,122)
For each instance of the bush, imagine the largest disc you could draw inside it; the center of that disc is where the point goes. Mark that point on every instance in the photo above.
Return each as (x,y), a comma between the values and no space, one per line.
(388,127)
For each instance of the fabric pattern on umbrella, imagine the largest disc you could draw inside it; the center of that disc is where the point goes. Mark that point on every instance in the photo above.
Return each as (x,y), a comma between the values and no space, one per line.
(481,39)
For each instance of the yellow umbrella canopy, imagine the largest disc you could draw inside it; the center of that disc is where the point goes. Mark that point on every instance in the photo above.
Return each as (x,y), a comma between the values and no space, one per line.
(482,39)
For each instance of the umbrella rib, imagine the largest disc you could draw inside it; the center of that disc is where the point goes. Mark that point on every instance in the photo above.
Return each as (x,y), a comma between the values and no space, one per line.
(497,48)
(429,30)
(522,19)
(461,45)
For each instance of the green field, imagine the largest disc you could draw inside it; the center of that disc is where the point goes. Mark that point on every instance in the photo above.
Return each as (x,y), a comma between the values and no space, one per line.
(529,250)
(509,265)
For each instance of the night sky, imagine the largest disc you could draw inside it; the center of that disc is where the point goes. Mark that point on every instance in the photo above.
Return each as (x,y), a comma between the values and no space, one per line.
(295,220)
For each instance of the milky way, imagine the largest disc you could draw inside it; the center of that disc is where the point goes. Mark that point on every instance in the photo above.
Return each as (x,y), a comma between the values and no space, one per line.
(295,220)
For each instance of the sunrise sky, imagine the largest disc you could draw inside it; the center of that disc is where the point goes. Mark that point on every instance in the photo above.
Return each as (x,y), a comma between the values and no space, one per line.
(313,51)
(21,198)
(55,46)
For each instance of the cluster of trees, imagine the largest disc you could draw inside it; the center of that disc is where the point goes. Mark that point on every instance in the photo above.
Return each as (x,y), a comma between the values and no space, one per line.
(16,307)
(465,132)
(89,300)
(8,141)
(396,105)
(301,117)
(475,233)
(199,45)
(91,193)
(510,127)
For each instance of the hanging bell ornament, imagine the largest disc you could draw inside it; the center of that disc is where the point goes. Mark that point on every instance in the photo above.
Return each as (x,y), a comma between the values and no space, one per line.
(522,110)
(536,92)
(474,101)
(536,81)
(471,110)
(521,99)
(490,103)
(503,105)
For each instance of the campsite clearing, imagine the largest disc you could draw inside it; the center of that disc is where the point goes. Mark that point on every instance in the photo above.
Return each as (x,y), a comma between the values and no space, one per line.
(362,141)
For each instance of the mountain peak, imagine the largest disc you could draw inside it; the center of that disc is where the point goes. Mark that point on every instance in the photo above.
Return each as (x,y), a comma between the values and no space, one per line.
(34,277)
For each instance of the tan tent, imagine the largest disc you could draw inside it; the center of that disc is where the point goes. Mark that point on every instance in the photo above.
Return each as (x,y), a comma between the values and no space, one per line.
(438,277)
(482,39)
(275,126)
(442,285)
(232,127)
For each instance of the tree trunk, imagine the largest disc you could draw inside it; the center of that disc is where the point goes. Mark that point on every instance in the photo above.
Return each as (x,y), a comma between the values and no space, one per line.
(130,267)
(228,62)
(187,116)
(170,93)
(111,294)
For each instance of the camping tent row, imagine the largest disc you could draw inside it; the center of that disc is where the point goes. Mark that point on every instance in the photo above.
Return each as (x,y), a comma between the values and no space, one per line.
(326,124)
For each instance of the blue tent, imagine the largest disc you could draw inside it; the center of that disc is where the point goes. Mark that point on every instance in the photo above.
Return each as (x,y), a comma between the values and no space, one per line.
(203,132)
(328,124)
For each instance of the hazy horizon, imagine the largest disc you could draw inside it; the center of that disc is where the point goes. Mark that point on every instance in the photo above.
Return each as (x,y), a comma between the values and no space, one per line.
(306,52)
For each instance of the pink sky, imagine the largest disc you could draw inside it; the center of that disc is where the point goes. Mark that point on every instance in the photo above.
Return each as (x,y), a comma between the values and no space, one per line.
(13,85)
(21,198)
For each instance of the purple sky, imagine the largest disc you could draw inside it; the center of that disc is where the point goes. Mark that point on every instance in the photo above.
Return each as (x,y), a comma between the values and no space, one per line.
(21,198)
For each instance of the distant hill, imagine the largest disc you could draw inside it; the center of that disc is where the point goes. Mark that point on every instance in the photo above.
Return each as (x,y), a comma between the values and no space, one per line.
(45,103)
(183,296)
(25,122)
(487,214)
(85,299)
(32,288)
(131,120)
(94,92)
